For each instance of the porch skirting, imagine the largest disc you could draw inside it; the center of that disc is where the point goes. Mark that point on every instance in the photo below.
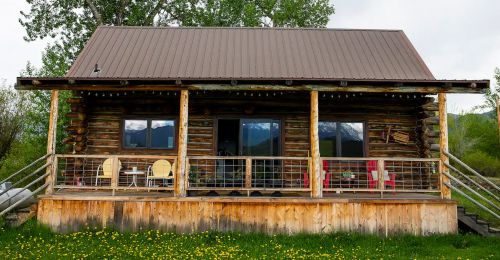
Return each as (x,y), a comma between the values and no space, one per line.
(383,217)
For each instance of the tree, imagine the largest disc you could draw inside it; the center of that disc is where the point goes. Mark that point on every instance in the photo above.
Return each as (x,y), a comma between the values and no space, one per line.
(491,95)
(73,22)
(12,110)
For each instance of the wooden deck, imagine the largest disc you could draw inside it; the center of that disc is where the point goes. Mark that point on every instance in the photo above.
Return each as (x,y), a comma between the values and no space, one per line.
(403,213)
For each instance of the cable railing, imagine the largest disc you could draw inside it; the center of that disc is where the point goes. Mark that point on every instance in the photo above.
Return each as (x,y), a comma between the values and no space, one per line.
(248,173)
(396,174)
(467,187)
(115,172)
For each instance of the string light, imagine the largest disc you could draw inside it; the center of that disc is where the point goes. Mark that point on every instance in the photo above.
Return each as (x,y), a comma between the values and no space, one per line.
(251,94)
(153,92)
(259,94)
(103,94)
(175,93)
(392,95)
(339,96)
(267,94)
(274,94)
(353,95)
(346,95)
(323,95)
(244,93)
(238,93)
(110,94)
(88,94)
(160,92)
(96,94)
(331,96)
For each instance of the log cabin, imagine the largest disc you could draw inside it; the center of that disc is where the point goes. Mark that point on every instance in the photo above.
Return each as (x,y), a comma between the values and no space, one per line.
(275,130)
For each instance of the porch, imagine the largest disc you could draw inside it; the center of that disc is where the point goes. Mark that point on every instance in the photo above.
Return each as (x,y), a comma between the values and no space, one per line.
(233,176)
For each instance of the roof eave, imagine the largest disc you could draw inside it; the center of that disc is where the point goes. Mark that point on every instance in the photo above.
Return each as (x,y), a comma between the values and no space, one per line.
(340,85)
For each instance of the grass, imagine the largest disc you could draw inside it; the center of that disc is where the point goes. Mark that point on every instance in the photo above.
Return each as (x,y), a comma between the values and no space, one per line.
(32,241)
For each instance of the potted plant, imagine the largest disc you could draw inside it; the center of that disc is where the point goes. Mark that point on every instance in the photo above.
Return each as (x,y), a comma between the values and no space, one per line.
(192,181)
(236,179)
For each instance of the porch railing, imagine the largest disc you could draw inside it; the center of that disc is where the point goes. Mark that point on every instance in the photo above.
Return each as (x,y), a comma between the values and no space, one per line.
(396,174)
(248,173)
(115,172)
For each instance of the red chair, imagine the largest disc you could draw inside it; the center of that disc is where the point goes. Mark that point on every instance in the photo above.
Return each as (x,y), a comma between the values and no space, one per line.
(373,166)
(326,181)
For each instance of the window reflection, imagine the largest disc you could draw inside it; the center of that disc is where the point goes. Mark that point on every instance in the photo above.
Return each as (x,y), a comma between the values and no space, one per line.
(148,133)
(136,132)
(327,139)
(352,139)
(162,133)
(341,139)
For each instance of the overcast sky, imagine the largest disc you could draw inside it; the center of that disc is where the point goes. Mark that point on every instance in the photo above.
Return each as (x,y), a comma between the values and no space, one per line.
(457,39)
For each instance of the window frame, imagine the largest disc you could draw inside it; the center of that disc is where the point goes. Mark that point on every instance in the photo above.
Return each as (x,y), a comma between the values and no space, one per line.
(366,140)
(148,134)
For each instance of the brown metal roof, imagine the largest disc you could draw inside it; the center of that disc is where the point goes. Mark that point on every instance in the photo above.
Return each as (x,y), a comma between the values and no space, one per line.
(249,53)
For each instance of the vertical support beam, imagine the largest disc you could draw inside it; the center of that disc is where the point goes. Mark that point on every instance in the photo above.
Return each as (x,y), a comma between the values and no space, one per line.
(115,169)
(316,182)
(248,173)
(180,184)
(443,144)
(380,173)
(51,139)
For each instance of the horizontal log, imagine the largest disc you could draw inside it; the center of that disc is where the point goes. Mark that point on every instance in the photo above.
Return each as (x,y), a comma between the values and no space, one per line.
(431,107)
(75,101)
(431,121)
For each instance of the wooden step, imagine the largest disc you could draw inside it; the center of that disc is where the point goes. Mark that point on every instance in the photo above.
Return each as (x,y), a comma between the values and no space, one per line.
(494,231)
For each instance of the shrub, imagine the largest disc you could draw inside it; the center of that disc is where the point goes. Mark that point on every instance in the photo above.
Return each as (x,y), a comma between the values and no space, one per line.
(483,163)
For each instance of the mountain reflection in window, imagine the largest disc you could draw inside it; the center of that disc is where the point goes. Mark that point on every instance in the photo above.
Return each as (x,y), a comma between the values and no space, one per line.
(149,134)
(344,141)
(352,139)
(136,133)
(261,137)
(162,134)
(327,139)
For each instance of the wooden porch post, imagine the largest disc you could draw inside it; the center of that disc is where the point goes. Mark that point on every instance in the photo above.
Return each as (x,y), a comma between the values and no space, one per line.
(315,170)
(443,143)
(51,140)
(180,174)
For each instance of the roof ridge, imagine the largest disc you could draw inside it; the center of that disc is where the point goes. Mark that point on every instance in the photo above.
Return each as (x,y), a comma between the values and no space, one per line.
(262,28)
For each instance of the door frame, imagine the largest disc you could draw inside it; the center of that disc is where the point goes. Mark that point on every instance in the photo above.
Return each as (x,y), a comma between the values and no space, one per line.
(239,117)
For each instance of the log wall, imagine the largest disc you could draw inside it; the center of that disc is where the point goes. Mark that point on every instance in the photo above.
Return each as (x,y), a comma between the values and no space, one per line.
(96,120)
(277,216)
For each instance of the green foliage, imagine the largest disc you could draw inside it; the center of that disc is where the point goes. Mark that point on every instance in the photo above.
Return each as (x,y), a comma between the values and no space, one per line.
(32,241)
(483,163)
(12,110)
(473,138)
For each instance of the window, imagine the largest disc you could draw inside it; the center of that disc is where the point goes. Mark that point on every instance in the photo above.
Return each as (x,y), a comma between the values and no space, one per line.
(341,139)
(260,137)
(148,133)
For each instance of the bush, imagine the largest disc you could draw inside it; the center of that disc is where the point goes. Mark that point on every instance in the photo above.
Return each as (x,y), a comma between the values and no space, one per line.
(483,163)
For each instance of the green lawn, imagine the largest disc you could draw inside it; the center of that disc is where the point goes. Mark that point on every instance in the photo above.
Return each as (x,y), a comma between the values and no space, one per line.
(34,242)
